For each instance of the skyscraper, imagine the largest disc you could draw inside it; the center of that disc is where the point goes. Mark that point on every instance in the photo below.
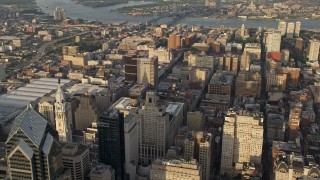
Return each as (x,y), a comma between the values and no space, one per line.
(242,141)
(313,50)
(147,69)
(111,140)
(158,123)
(282,27)
(46,108)
(297,30)
(32,148)
(60,14)
(63,116)
(290,30)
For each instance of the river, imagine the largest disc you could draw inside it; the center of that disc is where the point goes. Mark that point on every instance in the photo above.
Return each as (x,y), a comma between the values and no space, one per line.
(109,14)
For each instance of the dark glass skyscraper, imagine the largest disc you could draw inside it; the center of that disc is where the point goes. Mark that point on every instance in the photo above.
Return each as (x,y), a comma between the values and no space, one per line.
(111,140)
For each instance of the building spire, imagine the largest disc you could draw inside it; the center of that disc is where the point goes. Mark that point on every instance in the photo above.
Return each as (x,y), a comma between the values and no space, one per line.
(60,97)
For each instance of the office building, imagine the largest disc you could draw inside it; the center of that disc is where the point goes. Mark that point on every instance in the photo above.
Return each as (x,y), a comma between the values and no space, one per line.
(198,145)
(63,116)
(86,112)
(276,126)
(251,52)
(32,148)
(313,50)
(147,69)
(102,172)
(242,141)
(242,31)
(131,133)
(77,61)
(158,123)
(282,27)
(2,72)
(290,30)
(163,169)
(174,41)
(76,159)
(297,29)
(273,41)
(46,109)
(111,141)
(130,68)
(195,121)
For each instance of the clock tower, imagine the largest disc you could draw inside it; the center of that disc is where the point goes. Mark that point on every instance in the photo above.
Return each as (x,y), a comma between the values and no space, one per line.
(63,116)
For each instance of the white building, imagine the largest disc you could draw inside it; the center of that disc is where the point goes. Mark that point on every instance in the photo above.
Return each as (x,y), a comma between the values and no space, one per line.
(158,126)
(290,30)
(313,50)
(273,41)
(241,142)
(252,51)
(201,60)
(46,108)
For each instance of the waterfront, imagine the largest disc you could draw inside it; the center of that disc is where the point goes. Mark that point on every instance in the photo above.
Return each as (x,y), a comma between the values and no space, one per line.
(109,14)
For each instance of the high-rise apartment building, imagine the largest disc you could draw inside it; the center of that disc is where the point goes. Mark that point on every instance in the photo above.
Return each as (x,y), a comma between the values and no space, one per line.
(290,30)
(299,45)
(32,148)
(282,27)
(297,29)
(46,108)
(60,14)
(313,50)
(111,140)
(284,56)
(158,125)
(63,116)
(147,69)
(76,158)
(164,55)
(273,41)
(242,141)
(174,41)
(251,52)
(199,146)
(163,169)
